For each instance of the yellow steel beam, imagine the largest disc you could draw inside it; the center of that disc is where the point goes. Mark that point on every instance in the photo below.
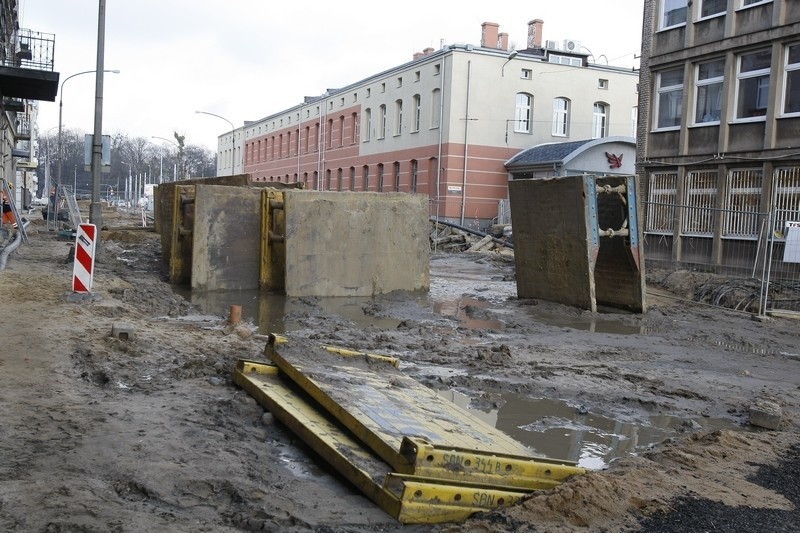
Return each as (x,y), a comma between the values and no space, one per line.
(485,467)
(429,501)
(409,499)
(276,339)
(338,448)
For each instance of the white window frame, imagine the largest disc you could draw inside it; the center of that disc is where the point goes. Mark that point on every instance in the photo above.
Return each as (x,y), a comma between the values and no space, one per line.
(662,14)
(762,92)
(746,4)
(416,112)
(523,113)
(398,117)
(707,83)
(715,14)
(367,124)
(786,197)
(791,70)
(560,117)
(675,95)
(600,112)
(565,60)
(382,122)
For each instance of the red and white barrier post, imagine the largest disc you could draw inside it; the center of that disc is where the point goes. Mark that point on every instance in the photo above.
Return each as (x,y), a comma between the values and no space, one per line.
(83,268)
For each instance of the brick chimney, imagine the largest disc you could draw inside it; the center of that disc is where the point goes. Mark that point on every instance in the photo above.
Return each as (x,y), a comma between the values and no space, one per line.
(489,34)
(504,41)
(535,33)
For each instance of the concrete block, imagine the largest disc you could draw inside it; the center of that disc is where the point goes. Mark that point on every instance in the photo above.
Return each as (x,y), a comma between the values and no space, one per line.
(766,414)
(122,331)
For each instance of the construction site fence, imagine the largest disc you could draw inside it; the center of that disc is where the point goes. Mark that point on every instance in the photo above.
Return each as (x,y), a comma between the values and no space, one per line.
(756,253)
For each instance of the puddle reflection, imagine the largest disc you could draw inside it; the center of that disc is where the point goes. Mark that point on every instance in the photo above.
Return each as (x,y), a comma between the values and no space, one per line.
(557,429)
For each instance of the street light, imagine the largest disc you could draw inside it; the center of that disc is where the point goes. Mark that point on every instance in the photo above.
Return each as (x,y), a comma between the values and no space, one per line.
(61,109)
(510,56)
(233,129)
(178,146)
(129,183)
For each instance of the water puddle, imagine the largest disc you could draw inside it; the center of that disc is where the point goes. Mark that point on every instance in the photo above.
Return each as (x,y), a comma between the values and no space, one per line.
(275,313)
(558,429)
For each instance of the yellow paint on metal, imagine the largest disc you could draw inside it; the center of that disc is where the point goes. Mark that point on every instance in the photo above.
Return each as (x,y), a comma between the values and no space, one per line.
(272,270)
(381,408)
(416,455)
(275,339)
(524,472)
(425,500)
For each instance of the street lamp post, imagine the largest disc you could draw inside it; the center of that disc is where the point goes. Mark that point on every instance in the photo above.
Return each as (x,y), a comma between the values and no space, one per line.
(128,183)
(60,113)
(233,143)
(175,173)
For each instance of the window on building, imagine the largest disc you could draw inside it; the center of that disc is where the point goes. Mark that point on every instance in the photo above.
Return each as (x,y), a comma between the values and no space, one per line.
(352,178)
(700,203)
(416,101)
(308,138)
(380,177)
(787,198)
(523,113)
(602,83)
(436,108)
(662,200)
(634,120)
(746,3)
(526,74)
(600,120)
(673,13)
(365,177)
(565,60)
(561,117)
(791,87)
(414,175)
(398,117)
(339,179)
(708,91)
(316,137)
(328,180)
(416,76)
(397,176)
(354,132)
(367,124)
(710,8)
(382,120)
(752,80)
(742,204)
(341,130)
(437,69)
(669,103)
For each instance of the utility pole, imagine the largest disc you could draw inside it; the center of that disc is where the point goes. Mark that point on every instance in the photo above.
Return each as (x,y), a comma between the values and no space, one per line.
(95,209)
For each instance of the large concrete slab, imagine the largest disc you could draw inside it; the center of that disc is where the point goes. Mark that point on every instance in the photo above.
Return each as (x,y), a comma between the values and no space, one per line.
(355,244)
(576,241)
(226,238)
(551,241)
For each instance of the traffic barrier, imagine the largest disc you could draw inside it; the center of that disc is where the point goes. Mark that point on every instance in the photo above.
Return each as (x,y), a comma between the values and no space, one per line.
(83,266)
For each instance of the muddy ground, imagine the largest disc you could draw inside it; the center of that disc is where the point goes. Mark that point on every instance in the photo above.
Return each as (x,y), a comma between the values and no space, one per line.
(149,433)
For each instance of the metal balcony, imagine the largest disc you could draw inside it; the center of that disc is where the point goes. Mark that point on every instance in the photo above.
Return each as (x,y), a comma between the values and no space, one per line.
(26,66)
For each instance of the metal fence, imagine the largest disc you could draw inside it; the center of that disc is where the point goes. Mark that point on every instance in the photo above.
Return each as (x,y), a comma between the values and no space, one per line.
(757,253)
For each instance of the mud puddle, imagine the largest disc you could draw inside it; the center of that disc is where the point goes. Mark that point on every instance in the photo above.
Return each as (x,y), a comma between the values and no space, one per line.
(561,430)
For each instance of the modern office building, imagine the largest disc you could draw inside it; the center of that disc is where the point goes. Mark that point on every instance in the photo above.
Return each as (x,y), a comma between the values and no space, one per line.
(443,124)
(719,140)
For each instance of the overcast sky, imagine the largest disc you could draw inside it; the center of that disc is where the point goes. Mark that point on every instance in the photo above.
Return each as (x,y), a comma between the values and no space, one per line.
(247,59)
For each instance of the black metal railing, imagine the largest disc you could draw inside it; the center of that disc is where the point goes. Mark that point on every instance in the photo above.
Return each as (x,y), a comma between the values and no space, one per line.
(30,49)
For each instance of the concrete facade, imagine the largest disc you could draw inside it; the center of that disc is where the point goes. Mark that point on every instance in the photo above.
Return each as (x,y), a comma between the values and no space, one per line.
(719,129)
(355,244)
(442,125)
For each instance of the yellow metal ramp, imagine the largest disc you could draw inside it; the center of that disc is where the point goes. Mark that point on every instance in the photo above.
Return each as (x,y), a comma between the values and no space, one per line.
(418,456)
